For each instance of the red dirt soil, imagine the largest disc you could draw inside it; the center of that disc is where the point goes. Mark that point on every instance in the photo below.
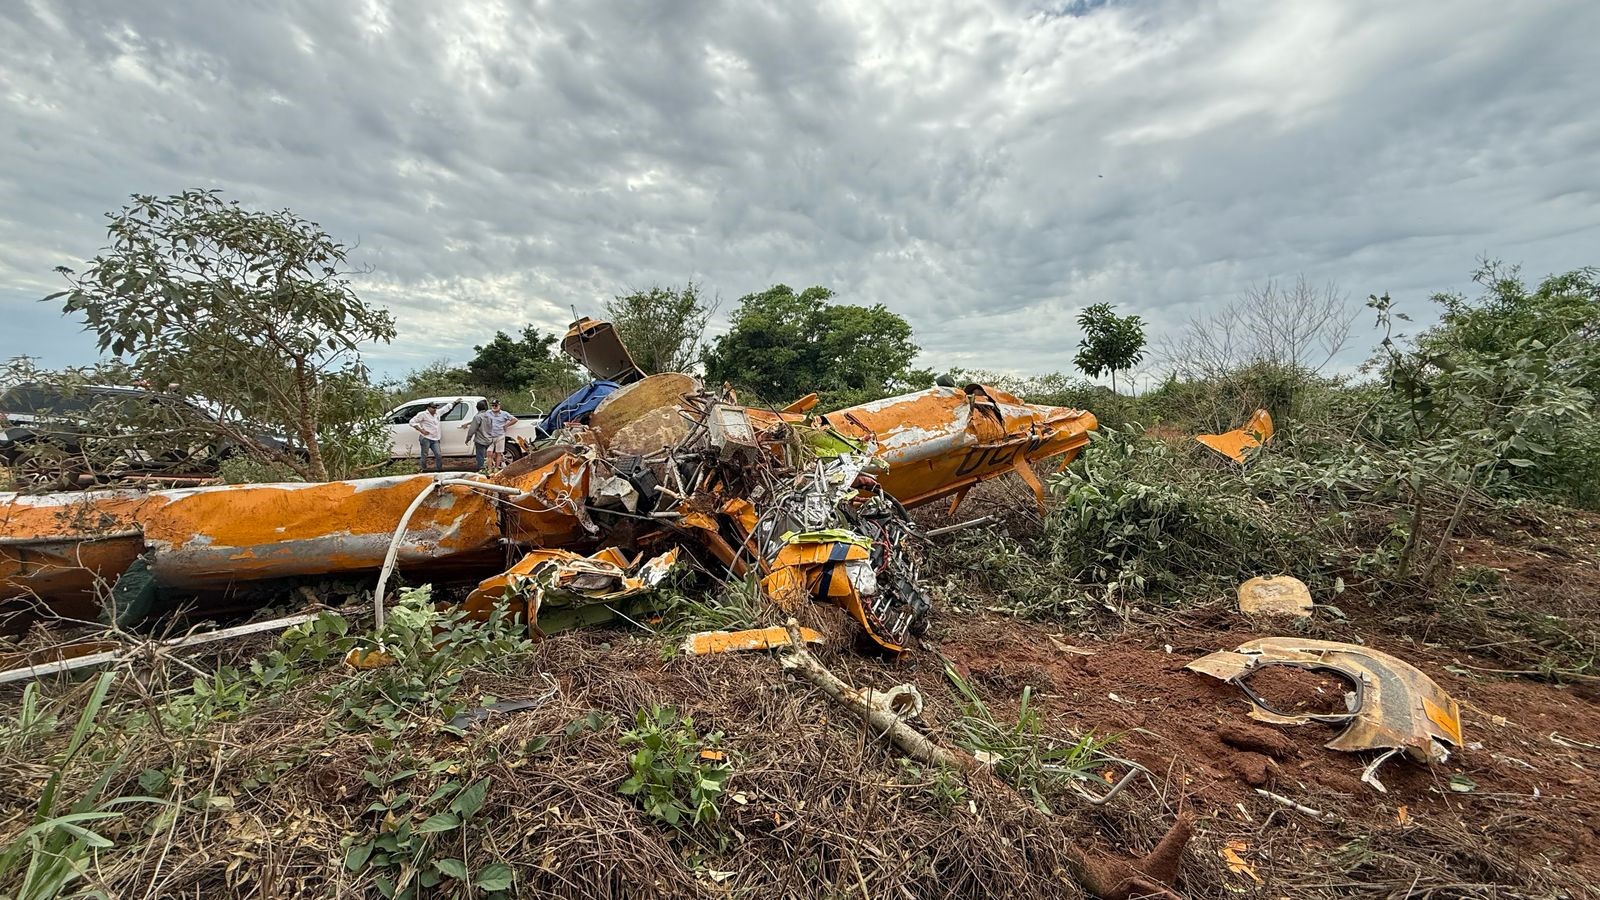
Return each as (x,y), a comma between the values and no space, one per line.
(1530,745)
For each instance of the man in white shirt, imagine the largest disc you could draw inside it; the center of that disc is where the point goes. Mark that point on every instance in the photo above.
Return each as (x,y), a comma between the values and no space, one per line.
(429,432)
(499,421)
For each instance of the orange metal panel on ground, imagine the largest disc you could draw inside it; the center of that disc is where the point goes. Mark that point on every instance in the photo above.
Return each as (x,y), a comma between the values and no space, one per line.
(1233,444)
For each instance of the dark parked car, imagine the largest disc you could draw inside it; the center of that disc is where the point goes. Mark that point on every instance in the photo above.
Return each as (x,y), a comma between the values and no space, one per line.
(60,438)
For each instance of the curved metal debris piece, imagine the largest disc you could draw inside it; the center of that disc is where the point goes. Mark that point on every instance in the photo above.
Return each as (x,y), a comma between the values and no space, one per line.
(1394,705)
(1233,444)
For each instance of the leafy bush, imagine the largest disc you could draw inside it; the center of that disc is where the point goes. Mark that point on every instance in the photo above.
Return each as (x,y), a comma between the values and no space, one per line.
(250,470)
(1501,393)
(1138,519)
(1227,399)
(675,773)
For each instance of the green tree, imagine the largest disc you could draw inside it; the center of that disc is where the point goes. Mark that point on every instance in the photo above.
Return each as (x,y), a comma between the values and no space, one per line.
(1111,343)
(661,327)
(783,345)
(1500,394)
(250,310)
(1562,312)
(532,363)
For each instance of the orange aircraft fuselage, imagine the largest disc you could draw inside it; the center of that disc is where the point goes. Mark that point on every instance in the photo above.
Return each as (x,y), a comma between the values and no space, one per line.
(66,549)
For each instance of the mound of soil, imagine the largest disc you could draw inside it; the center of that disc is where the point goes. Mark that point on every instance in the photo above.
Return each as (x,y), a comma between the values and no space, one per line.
(1294,691)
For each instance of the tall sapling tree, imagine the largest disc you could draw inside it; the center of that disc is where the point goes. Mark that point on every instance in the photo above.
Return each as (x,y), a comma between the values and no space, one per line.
(1111,343)
(251,311)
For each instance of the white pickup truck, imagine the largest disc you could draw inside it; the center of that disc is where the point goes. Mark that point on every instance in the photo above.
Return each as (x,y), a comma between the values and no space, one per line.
(453,428)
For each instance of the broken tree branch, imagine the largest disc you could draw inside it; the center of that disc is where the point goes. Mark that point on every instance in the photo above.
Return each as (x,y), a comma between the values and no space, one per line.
(1297,807)
(1106,878)
(882,722)
(961,526)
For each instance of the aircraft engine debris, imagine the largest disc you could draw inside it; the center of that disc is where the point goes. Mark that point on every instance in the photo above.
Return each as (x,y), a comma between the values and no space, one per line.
(1393,705)
(813,506)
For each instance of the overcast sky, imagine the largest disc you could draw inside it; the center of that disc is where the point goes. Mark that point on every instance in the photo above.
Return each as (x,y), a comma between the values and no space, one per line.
(984,169)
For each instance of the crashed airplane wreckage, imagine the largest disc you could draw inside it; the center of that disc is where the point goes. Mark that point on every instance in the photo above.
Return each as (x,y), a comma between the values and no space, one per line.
(812,505)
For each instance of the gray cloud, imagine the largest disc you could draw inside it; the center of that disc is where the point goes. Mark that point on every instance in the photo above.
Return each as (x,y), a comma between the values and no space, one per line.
(985,170)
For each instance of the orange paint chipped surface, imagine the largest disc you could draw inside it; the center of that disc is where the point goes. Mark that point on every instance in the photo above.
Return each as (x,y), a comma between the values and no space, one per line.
(212,536)
(707,642)
(943,440)
(1233,444)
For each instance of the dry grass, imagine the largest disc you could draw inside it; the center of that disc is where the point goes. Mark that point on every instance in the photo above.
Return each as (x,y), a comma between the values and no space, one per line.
(272,797)
(815,807)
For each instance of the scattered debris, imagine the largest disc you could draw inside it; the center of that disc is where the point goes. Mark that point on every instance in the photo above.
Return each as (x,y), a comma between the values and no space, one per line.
(1109,879)
(962,526)
(1369,775)
(1236,864)
(1275,595)
(108,657)
(885,722)
(570,586)
(1233,444)
(469,718)
(708,642)
(1393,704)
(1570,743)
(1071,648)
(368,658)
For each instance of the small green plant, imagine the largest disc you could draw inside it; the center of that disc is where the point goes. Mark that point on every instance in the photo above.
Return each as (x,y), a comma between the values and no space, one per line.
(32,722)
(421,843)
(428,654)
(224,694)
(302,649)
(944,786)
(675,772)
(1021,753)
(737,604)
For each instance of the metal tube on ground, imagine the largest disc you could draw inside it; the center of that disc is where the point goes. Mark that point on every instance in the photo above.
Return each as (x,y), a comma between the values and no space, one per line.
(960,526)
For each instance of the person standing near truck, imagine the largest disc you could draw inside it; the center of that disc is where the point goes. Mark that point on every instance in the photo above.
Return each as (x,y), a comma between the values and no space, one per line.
(478,432)
(499,421)
(428,435)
